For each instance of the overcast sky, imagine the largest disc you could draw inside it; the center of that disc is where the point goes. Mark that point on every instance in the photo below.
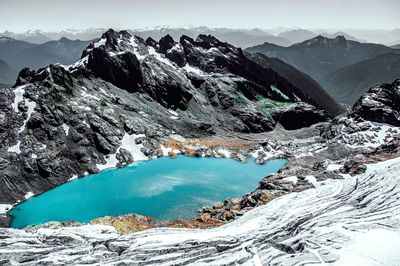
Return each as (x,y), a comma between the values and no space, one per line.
(49,15)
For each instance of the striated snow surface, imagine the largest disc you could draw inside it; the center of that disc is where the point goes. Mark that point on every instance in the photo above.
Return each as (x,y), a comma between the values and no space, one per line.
(354,221)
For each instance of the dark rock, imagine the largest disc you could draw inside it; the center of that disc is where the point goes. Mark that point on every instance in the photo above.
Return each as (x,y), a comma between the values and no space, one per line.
(124,157)
(380,104)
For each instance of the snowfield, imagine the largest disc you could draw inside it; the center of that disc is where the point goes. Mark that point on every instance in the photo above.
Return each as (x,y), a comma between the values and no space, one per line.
(345,222)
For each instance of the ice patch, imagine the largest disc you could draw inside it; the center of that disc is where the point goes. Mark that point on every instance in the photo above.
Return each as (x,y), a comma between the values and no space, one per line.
(256,260)
(34,156)
(73,178)
(135,44)
(100,43)
(224,152)
(29,195)
(5,208)
(19,97)
(173,112)
(15,148)
(292,179)
(128,143)
(165,150)
(88,95)
(174,117)
(311,179)
(31,107)
(19,93)
(333,167)
(160,57)
(363,251)
(66,129)
(195,70)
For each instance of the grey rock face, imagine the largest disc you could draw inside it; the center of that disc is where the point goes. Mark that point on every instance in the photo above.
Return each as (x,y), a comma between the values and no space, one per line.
(380,104)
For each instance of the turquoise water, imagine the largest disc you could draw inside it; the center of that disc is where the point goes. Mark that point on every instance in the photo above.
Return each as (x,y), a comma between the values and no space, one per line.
(164,188)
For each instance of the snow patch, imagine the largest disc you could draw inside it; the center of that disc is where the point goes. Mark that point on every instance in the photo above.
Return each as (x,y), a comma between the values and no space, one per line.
(363,249)
(135,44)
(192,69)
(333,167)
(31,107)
(15,148)
(29,195)
(311,179)
(99,43)
(128,143)
(66,129)
(19,92)
(224,152)
(160,57)
(173,112)
(292,179)
(73,178)
(5,208)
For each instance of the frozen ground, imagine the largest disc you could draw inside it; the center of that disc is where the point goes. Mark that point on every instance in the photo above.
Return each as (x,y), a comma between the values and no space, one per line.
(340,221)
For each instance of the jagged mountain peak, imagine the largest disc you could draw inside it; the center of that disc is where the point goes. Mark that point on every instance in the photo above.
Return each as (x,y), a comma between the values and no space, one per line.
(322,41)
(184,74)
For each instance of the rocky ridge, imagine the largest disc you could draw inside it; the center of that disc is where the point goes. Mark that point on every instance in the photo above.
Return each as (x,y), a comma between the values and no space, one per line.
(125,95)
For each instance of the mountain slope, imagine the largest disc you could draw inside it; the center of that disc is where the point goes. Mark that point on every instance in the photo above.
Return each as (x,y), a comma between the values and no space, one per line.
(347,84)
(63,51)
(20,54)
(9,48)
(321,56)
(397,46)
(320,97)
(6,73)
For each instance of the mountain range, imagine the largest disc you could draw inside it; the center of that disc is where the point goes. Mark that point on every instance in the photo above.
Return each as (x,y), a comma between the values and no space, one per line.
(238,37)
(330,62)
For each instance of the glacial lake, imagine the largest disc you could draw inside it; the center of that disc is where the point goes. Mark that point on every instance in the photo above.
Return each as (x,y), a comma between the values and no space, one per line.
(164,188)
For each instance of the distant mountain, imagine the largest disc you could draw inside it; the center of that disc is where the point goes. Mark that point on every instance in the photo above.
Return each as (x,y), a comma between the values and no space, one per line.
(320,56)
(297,35)
(63,51)
(341,33)
(397,46)
(389,37)
(320,97)
(10,47)
(72,34)
(18,54)
(36,37)
(238,37)
(6,73)
(350,82)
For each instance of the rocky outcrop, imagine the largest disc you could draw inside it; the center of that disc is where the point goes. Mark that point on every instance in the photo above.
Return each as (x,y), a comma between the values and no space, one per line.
(380,104)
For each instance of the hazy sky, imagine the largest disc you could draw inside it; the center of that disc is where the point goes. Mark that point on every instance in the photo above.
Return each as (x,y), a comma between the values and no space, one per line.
(48,15)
